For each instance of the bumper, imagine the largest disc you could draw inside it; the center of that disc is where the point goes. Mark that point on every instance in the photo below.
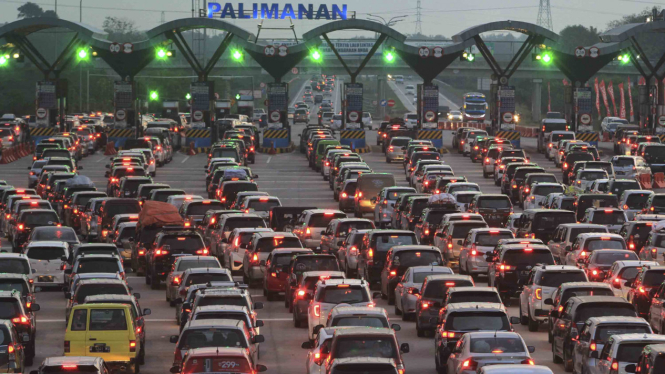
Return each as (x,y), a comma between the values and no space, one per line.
(48,280)
(476,267)
(395,155)
(427,320)
(409,303)
(312,243)
(255,272)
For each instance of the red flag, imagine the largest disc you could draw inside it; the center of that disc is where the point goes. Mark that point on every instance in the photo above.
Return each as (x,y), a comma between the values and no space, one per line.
(603,91)
(565,82)
(630,99)
(549,98)
(597,98)
(622,102)
(610,90)
(642,81)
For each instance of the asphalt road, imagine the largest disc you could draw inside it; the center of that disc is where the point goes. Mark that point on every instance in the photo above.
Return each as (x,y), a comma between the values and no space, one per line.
(288,177)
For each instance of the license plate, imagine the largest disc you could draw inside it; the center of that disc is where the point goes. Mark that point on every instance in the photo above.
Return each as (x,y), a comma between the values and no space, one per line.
(25,338)
(45,278)
(100,348)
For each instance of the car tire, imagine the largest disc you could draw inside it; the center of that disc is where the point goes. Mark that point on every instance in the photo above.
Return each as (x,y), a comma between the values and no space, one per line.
(485,175)
(397,311)
(147,279)
(387,160)
(533,324)
(441,369)
(549,335)
(270,296)
(567,363)
(523,320)
(142,356)
(154,283)
(135,368)
(296,321)
(556,359)
(420,332)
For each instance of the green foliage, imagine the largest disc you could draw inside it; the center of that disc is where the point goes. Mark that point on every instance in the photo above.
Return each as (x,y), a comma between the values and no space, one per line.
(578,35)
(32,10)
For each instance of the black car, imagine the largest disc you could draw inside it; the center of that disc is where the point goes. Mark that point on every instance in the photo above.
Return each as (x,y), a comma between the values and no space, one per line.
(509,271)
(167,245)
(302,263)
(12,352)
(28,221)
(374,249)
(23,320)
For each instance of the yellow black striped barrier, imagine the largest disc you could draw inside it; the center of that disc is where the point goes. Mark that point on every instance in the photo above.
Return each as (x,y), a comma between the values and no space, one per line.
(42,131)
(508,135)
(198,133)
(121,133)
(587,136)
(276,134)
(430,134)
(662,138)
(352,134)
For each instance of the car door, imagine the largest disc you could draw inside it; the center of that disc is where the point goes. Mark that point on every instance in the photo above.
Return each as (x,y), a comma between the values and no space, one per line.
(554,243)
(561,329)
(656,309)
(581,348)
(525,295)
(384,272)
(400,289)
(456,355)
(327,237)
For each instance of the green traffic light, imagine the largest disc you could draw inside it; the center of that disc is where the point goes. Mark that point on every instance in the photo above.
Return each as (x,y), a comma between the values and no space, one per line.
(237,96)
(625,58)
(3,61)
(154,95)
(547,58)
(470,57)
(188,96)
(161,53)
(237,55)
(389,56)
(316,55)
(83,54)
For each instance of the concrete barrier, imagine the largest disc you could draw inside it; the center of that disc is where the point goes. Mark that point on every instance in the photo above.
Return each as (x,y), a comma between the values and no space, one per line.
(659,180)
(353,138)
(645,181)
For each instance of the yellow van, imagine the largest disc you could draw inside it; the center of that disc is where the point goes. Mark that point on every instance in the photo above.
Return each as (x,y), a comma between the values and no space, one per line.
(104,330)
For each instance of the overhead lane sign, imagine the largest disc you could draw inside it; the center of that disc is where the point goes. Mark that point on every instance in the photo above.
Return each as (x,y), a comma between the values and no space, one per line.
(273,11)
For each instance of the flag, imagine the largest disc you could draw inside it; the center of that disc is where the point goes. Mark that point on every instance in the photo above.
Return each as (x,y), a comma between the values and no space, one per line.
(549,98)
(642,81)
(595,84)
(622,102)
(610,90)
(603,91)
(630,100)
(565,82)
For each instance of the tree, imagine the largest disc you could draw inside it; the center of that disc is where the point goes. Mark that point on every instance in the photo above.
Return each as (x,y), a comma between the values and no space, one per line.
(30,10)
(122,29)
(577,35)
(651,42)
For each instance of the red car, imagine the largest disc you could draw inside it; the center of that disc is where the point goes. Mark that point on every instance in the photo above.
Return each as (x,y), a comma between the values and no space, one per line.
(277,270)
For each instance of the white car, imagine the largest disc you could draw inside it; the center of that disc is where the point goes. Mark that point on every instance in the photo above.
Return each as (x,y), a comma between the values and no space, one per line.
(609,124)
(411,120)
(487,348)
(585,178)
(332,292)
(46,260)
(178,200)
(622,272)
(260,205)
(539,192)
(410,89)
(257,113)
(542,283)
(406,291)
(336,122)
(515,369)
(7,136)
(477,244)
(632,343)
(367,120)
(589,242)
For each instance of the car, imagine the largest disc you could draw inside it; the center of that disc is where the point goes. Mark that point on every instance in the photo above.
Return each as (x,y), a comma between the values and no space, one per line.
(64,364)
(259,248)
(232,294)
(565,235)
(509,267)
(486,348)
(46,261)
(589,242)
(477,243)
(374,248)
(368,345)
(331,292)
(180,265)
(24,324)
(630,166)
(541,284)
(385,204)
(641,293)
(596,333)
(449,238)
(597,263)
(399,259)
(276,270)
(432,297)
(312,223)
(367,120)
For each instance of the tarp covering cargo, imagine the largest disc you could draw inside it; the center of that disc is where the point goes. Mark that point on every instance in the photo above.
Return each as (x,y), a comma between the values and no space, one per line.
(442,198)
(157,213)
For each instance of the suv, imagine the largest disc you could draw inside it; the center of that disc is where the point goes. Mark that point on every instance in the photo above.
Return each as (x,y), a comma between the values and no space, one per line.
(374,248)
(565,235)
(642,290)
(167,245)
(399,259)
(477,244)
(24,321)
(541,223)
(542,283)
(259,248)
(27,221)
(432,298)
(589,242)
(509,269)
(612,218)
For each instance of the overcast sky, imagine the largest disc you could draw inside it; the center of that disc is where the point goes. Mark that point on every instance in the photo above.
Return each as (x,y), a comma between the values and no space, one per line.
(438,16)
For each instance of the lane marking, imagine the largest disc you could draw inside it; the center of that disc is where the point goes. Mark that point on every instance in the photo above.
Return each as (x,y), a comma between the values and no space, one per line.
(268,161)
(100,159)
(185,159)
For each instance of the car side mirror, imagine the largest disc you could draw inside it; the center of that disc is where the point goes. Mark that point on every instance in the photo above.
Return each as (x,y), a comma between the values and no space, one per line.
(137,295)
(404,348)
(35,307)
(259,323)
(258,339)
(307,345)
(628,284)
(548,301)
(376,295)
(531,348)
(594,354)
(175,369)
(258,305)
(317,328)
(514,320)
(173,339)
(261,368)
(396,327)
(554,314)
(147,312)
(628,369)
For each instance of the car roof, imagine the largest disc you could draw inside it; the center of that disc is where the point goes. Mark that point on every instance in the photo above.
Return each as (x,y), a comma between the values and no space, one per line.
(466,307)
(221,308)
(278,251)
(336,282)
(620,338)
(429,268)
(102,281)
(206,271)
(596,235)
(617,319)
(212,323)
(355,310)
(319,273)
(47,243)
(472,289)
(110,297)
(414,247)
(64,360)
(217,351)
(567,285)
(364,331)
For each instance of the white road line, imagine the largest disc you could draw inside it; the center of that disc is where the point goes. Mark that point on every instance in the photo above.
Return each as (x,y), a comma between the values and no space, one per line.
(268,161)
(184,159)
(100,159)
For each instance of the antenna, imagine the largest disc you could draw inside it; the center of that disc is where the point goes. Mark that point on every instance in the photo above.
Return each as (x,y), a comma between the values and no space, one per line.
(544,15)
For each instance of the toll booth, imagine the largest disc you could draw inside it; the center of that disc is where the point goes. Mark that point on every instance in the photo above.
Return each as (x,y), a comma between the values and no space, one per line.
(246,105)
(222,108)
(352,133)
(123,102)
(583,105)
(503,113)
(278,133)
(427,107)
(47,104)
(171,109)
(202,97)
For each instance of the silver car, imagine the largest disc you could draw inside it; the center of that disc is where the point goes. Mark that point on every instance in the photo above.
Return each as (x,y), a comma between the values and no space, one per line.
(629,166)
(476,244)
(631,342)
(487,348)
(405,295)
(395,150)
(632,201)
(385,204)
(35,172)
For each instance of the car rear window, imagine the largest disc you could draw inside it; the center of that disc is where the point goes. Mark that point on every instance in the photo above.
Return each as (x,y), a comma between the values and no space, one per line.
(386,241)
(212,337)
(99,289)
(557,137)
(546,190)
(609,257)
(316,263)
(41,219)
(203,278)
(406,259)
(637,200)
(361,321)
(584,291)
(623,161)
(604,332)
(270,243)
(551,220)
(401,142)
(462,229)
(14,265)
(112,209)
(476,321)
(344,293)
(227,300)
(437,289)
(658,201)
(586,311)
(654,278)
(58,234)
(555,278)
(8,284)
(462,198)
(243,222)
(200,209)
(630,352)
(98,266)
(183,243)
(209,263)
(46,253)
(264,205)
(593,244)
(9,309)
(490,239)
(474,297)
(609,218)
(497,345)
(525,258)
(365,346)
(498,202)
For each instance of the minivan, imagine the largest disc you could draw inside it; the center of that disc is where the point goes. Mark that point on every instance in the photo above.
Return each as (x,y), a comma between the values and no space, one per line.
(368,188)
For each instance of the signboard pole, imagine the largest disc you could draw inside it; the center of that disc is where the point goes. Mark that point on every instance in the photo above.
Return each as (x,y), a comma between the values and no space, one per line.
(61,94)
(278,99)
(123,101)
(582,109)
(353,113)
(46,104)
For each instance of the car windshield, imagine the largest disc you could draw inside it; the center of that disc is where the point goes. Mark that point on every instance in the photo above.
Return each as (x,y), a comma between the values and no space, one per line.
(236,300)
(586,311)
(474,297)
(203,278)
(477,321)
(270,243)
(99,289)
(14,265)
(55,233)
(555,278)
(385,242)
(604,332)
(592,245)
(41,219)
(623,161)
(462,229)
(45,253)
(98,266)
(361,321)
(200,263)
(437,289)
(497,345)
(343,294)
(522,258)
(654,278)
(499,202)
(491,239)
(609,257)
(212,337)
(406,259)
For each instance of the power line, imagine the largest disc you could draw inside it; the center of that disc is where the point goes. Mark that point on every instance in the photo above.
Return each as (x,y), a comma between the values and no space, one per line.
(95,7)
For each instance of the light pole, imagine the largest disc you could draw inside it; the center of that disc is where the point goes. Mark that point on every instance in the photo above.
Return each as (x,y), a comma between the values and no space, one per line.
(81,11)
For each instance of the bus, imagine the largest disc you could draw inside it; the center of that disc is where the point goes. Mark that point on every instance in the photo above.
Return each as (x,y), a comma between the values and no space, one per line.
(475,107)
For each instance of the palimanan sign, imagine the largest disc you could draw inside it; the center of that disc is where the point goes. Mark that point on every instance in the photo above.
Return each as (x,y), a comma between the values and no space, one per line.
(273,11)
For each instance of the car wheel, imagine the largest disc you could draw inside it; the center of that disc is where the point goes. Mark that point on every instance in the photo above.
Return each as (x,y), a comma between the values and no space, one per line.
(387,160)
(420,332)
(549,335)
(270,296)
(154,283)
(523,320)
(135,368)
(441,369)
(533,324)
(296,320)
(485,175)
(397,311)
(556,359)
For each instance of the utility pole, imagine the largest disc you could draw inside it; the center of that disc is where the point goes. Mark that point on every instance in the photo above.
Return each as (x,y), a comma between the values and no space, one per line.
(419,28)
(545,15)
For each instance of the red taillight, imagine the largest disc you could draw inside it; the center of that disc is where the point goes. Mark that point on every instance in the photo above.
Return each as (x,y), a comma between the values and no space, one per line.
(504,267)
(393,273)
(308,231)
(317,310)
(615,365)
(642,290)
(203,252)
(255,258)
(300,294)
(528,361)
(448,334)
(22,320)
(161,252)
(539,293)
(10,348)
(176,281)
(132,345)
(592,345)
(21,227)
(424,304)
(66,346)
(469,364)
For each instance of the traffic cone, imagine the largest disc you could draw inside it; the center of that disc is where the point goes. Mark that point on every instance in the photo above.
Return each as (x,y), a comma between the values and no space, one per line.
(273,151)
(192,149)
